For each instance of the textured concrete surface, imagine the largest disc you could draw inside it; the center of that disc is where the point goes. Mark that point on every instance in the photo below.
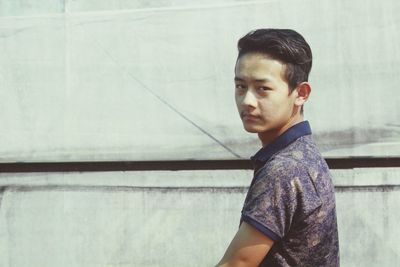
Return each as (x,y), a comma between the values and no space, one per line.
(137,80)
(146,80)
(175,218)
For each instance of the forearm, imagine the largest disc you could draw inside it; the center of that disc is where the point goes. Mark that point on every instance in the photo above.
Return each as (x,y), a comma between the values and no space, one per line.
(247,249)
(234,263)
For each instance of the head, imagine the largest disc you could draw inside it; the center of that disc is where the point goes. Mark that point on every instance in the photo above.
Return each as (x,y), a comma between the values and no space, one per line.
(271,77)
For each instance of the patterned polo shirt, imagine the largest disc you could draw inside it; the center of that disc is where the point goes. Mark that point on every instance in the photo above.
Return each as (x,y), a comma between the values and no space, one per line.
(291,200)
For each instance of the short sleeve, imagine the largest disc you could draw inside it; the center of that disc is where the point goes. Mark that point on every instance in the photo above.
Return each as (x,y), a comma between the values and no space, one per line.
(281,192)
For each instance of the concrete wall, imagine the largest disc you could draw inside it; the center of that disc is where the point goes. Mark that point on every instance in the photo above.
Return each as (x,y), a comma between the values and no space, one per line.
(147,80)
(137,80)
(181,218)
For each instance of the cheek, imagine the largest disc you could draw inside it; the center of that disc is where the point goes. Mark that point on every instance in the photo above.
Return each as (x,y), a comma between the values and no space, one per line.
(275,107)
(269,106)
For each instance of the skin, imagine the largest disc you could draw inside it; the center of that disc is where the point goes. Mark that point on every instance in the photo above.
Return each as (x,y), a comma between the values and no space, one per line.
(264,101)
(268,108)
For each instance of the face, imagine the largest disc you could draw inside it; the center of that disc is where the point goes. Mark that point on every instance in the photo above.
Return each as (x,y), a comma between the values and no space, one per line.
(262,94)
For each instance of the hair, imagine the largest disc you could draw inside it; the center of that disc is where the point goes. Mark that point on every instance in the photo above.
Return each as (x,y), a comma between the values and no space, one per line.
(285,45)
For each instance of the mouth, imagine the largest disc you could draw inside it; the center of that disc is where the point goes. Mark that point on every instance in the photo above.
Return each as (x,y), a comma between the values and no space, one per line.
(249,117)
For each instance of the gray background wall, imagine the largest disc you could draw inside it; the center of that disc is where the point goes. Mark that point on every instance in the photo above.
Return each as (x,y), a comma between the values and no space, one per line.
(150,80)
(172,218)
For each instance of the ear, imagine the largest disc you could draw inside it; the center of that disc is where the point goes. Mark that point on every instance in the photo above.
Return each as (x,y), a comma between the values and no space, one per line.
(303,92)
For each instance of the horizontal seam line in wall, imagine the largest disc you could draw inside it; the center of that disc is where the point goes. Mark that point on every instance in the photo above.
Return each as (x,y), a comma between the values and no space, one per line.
(165,189)
(118,188)
(367,188)
(176,165)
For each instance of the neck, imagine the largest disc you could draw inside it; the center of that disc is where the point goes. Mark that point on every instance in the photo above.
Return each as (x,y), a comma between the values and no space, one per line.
(269,136)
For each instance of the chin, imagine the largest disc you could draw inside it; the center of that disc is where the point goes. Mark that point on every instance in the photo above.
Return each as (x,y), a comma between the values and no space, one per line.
(252,129)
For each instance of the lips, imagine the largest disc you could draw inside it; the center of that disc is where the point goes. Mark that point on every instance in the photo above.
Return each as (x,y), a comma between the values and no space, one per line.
(249,117)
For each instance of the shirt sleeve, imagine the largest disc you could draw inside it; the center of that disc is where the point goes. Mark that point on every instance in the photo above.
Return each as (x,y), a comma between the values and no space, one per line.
(281,193)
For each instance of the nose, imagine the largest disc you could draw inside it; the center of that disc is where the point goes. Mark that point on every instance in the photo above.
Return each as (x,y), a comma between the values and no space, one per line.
(249,99)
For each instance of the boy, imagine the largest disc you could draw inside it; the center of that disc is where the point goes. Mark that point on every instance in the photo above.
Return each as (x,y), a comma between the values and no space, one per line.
(289,215)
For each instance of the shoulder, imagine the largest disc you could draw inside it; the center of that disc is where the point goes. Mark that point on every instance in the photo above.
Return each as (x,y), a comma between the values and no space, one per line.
(299,165)
(282,176)
(301,157)
(283,166)
(290,169)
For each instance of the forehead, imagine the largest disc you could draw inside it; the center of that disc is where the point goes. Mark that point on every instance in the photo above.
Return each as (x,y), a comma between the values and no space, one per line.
(256,66)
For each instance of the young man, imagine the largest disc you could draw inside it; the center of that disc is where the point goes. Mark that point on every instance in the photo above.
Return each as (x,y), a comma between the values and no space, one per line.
(289,214)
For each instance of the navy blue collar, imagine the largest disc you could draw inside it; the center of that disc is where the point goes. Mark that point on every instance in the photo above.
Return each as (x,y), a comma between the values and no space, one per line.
(290,135)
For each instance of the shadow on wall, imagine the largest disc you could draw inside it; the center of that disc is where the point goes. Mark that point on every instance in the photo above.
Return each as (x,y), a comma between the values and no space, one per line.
(372,142)
(356,136)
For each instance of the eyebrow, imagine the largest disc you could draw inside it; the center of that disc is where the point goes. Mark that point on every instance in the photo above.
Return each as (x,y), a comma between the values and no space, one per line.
(237,79)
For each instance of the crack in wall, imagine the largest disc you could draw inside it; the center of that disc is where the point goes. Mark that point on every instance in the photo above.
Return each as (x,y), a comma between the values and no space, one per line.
(165,102)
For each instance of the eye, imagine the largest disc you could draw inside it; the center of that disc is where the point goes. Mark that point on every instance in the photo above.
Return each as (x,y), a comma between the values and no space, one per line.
(264,89)
(239,86)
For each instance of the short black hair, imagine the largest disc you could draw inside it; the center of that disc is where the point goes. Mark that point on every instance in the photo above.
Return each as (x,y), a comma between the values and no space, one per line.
(285,45)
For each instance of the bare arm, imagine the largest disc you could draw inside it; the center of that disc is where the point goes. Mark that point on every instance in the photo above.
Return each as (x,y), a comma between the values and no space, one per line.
(248,248)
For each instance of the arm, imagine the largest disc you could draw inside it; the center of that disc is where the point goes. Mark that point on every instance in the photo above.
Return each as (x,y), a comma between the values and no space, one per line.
(248,248)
